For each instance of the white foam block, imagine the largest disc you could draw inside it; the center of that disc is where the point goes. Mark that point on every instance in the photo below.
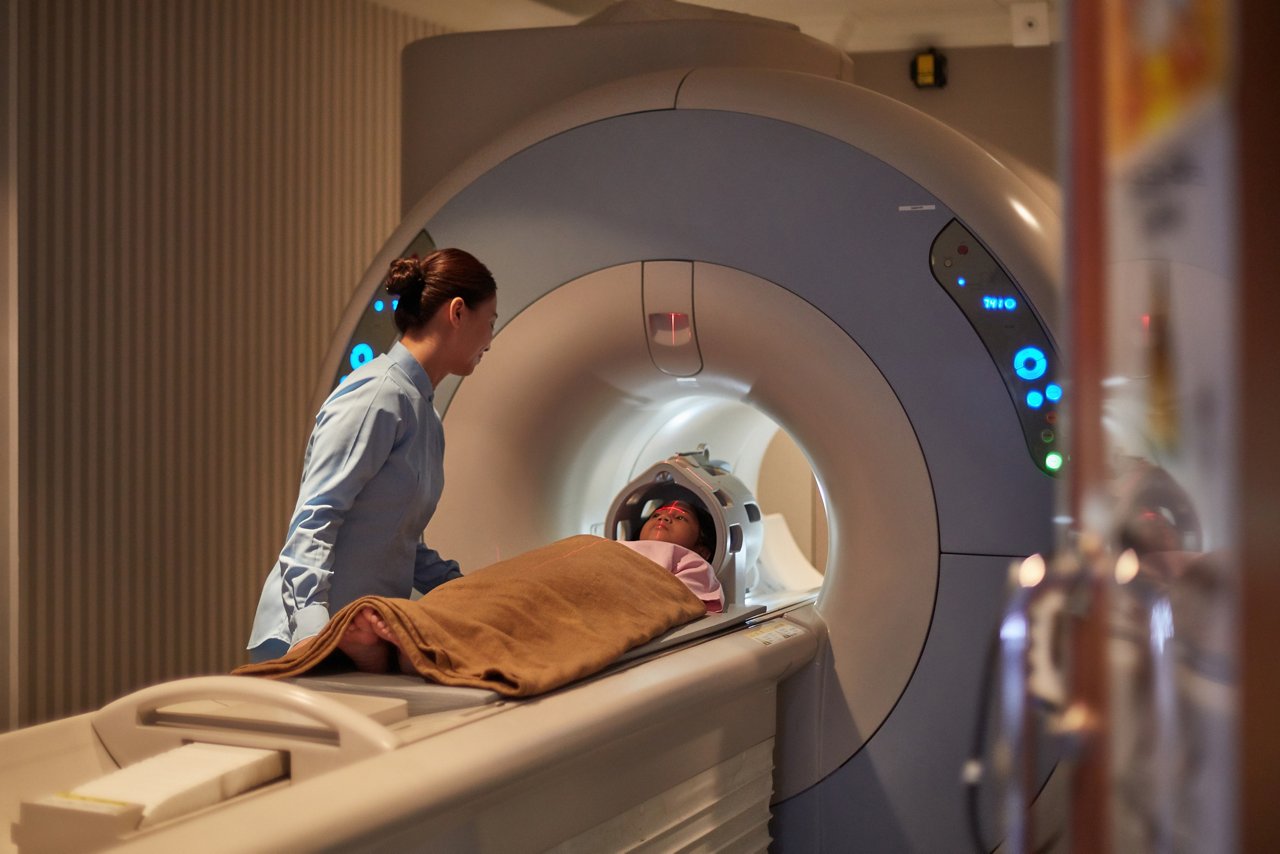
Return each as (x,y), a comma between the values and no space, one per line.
(57,824)
(782,566)
(186,778)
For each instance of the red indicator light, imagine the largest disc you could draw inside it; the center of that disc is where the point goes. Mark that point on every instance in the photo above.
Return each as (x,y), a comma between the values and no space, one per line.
(1051,417)
(670,328)
(962,249)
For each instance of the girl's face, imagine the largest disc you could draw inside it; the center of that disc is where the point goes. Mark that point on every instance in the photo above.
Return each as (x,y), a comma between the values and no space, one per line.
(674,522)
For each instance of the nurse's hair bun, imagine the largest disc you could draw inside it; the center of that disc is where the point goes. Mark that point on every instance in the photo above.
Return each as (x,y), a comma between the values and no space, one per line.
(405,277)
(423,285)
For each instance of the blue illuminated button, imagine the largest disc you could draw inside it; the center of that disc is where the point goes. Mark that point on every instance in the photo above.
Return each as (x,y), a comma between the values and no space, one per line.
(1030,363)
(960,281)
(360,354)
(378,305)
(1035,399)
(1053,391)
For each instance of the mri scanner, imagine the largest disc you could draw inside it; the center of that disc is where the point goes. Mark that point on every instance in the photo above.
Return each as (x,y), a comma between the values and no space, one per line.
(689,254)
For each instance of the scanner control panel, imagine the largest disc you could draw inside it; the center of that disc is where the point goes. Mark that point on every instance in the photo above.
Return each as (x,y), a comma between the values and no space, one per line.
(1012,333)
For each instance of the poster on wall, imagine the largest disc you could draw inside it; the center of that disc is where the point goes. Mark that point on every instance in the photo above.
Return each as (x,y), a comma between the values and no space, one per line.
(1169,410)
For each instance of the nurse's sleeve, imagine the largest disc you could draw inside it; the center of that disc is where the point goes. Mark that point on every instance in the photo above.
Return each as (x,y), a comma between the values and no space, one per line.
(430,570)
(353,437)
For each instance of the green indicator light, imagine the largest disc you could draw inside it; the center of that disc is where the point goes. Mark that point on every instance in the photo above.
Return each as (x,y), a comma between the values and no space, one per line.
(1053,461)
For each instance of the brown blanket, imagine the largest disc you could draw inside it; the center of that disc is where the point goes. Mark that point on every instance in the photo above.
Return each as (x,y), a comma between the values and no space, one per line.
(524,625)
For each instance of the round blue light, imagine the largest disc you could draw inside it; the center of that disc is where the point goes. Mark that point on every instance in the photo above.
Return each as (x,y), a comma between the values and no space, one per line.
(1030,363)
(1035,399)
(960,281)
(360,354)
(1053,391)
(1010,303)
(378,305)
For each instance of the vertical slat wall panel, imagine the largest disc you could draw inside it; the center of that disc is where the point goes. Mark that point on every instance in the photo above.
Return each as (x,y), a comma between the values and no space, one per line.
(204,181)
(9,343)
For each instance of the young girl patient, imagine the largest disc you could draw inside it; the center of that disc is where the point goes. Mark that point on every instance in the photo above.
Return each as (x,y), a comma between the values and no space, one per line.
(679,537)
(673,537)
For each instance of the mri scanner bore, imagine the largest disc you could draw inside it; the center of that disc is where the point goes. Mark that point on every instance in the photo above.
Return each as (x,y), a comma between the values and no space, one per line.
(778,218)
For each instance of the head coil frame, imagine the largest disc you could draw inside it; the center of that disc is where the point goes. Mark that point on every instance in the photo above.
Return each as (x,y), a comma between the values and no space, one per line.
(738,531)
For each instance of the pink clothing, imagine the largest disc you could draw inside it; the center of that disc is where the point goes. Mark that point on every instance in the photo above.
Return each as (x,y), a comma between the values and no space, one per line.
(685,565)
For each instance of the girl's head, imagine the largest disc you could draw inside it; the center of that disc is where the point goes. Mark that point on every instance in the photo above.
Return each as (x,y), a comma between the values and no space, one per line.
(452,293)
(425,285)
(684,523)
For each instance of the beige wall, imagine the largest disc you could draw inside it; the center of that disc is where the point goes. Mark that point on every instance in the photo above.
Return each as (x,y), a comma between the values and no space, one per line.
(1001,96)
(202,182)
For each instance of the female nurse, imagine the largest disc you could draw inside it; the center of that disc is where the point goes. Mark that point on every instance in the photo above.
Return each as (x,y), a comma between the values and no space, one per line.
(374,467)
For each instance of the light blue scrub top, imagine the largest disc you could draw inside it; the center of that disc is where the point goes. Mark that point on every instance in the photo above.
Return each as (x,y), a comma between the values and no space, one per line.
(372,477)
